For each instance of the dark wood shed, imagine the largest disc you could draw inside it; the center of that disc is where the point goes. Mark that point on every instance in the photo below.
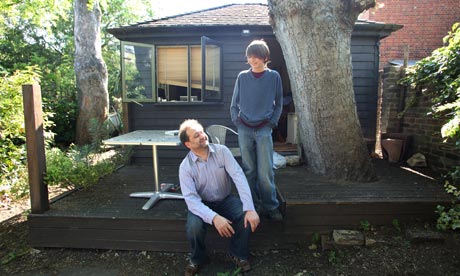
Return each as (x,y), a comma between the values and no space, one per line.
(185,66)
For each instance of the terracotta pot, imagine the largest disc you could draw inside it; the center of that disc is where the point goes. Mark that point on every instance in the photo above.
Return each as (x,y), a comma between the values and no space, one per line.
(393,148)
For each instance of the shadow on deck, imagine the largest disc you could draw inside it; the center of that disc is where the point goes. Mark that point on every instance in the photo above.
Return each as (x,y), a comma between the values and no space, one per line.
(105,217)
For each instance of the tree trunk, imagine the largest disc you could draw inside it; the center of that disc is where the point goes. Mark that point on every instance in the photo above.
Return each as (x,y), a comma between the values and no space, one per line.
(90,70)
(315,36)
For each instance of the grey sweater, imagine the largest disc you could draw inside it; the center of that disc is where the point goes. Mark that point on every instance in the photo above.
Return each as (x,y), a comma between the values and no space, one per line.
(257,100)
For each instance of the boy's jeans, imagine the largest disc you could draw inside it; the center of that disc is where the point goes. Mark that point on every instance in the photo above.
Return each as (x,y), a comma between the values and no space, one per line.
(232,209)
(256,147)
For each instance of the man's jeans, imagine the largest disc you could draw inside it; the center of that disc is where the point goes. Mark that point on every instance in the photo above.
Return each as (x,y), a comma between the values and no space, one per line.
(232,209)
(256,147)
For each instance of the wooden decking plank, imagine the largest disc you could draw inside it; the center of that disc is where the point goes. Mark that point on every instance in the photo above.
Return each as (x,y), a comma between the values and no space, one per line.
(38,221)
(104,216)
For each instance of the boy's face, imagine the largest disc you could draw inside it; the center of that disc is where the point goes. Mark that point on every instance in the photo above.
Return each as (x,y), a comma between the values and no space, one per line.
(257,63)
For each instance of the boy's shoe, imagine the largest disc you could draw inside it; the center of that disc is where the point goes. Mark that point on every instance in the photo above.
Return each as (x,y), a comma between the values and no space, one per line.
(191,269)
(275,215)
(244,265)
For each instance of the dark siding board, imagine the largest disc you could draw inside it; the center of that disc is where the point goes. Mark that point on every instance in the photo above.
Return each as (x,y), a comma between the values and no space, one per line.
(362,50)
(363,114)
(366,82)
(363,57)
(364,74)
(233,57)
(363,66)
(237,49)
(363,42)
(236,66)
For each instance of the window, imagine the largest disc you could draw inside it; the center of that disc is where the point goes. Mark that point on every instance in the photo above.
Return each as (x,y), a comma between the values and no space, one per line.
(137,72)
(185,73)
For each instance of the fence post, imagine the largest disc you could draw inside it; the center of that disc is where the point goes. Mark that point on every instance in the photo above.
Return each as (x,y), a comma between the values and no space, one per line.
(35,142)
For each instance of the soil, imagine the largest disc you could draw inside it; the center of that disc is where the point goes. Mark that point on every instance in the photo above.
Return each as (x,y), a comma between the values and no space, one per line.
(394,253)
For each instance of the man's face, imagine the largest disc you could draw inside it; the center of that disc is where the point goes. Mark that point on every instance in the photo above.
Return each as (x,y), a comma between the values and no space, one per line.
(197,137)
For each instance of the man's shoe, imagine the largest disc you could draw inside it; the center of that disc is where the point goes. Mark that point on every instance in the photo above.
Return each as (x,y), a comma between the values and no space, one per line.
(191,269)
(244,265)
(275,215)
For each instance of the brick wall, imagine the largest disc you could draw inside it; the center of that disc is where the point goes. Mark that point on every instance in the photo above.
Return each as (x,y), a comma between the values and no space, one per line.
(425,22)
(423,129)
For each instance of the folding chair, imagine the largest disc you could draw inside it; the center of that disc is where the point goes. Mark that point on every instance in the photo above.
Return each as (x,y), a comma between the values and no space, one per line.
(218,134)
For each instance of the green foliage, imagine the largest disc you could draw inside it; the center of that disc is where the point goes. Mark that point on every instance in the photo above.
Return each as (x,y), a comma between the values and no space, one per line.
(439,73)
(13,255)
(73,169)
(13,169)
(449,218)
(315,238)
(83,166)
(65,109)
(335,258)
(230,273)
(396,224)
(365,225)
(40,33)
(439,77)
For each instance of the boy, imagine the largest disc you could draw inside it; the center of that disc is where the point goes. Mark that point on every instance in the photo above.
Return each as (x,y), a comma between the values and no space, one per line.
(255,109)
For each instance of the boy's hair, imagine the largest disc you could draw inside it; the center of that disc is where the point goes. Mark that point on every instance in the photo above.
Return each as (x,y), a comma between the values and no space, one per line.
(258,48)
(183,130)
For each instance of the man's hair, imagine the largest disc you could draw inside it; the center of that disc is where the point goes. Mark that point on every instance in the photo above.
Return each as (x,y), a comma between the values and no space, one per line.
(258,48)
(183,130)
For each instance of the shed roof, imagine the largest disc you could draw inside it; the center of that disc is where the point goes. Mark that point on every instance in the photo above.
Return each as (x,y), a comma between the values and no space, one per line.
(229,15)
(232,14)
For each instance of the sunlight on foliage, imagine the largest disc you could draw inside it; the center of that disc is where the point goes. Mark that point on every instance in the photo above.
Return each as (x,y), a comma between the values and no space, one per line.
(439,77)
(13,166)
(79,167)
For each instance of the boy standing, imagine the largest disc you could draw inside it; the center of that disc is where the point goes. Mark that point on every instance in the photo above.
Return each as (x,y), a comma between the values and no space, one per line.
(255,109)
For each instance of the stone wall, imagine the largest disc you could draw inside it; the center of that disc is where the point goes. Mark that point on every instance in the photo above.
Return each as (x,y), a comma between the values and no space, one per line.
(422,128)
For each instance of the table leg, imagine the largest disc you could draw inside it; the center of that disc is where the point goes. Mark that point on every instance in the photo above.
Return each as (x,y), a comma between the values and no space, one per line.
(158,194)
(155,167)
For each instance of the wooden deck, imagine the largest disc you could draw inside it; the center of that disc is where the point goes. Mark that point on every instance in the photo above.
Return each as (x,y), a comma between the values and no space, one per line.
(105,217)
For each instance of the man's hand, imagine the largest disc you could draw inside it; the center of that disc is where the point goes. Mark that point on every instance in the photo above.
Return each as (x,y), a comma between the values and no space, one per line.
(252,218)
(223,226)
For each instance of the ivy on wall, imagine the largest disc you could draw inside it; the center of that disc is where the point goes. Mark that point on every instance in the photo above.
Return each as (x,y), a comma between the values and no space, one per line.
(438,76)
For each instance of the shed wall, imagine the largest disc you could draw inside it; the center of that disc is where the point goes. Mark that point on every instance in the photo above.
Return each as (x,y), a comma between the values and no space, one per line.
(169,116)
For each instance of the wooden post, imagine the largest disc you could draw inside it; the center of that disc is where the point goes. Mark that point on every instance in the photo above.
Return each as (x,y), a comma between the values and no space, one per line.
(35,142)
(125,118)
(402,95)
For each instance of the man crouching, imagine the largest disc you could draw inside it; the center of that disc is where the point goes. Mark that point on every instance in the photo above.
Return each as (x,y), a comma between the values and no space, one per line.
(206,175)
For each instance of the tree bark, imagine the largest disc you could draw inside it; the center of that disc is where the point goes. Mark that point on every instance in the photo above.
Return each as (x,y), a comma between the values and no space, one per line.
(315,36)
(90,70)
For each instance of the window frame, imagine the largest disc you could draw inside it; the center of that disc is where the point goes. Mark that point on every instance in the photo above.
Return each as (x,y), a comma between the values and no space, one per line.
(204,42)
(123,72)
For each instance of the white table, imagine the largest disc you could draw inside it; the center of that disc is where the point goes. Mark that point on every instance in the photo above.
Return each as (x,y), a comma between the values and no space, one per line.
(152,138)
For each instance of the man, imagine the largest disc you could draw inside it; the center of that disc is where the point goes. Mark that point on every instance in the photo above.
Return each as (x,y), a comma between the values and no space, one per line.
(205,175)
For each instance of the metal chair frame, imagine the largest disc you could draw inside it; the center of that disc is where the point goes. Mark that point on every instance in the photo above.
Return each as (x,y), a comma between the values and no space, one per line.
(218,133)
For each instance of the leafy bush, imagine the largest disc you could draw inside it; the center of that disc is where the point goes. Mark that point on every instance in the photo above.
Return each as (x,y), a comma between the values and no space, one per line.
(79,167)
(82,166)
(13,166)
(439,77)
(65,116)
